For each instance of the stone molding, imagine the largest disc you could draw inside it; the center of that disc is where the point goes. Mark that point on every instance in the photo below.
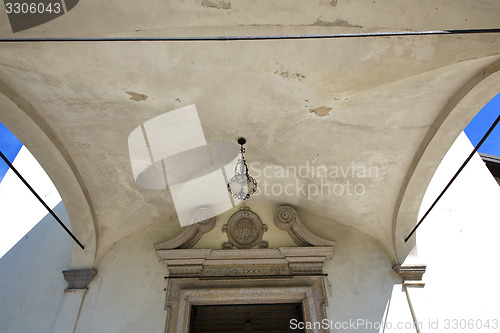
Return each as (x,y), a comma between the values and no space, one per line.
(246,263)
(189,236)
(287,219)
(79,279)
(412,275)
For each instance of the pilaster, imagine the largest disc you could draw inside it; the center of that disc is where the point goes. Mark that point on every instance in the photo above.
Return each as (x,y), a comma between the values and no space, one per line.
(67,317)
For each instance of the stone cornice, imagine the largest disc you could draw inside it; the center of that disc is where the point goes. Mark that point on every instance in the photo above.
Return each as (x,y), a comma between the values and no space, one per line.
(248,262)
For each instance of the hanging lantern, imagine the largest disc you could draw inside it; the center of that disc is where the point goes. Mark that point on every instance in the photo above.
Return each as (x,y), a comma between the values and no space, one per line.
(241,185)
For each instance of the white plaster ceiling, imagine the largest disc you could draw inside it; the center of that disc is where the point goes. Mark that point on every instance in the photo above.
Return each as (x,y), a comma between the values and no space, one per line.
(364,102)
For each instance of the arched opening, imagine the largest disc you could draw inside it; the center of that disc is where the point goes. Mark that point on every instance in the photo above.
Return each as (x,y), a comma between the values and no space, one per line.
(24,121)
(458,239)
(34,249)
(454,117)
(483,135)
(20,210)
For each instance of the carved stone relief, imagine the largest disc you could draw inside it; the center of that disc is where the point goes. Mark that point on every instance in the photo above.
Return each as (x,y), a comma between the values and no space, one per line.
(287,219)
(244,230)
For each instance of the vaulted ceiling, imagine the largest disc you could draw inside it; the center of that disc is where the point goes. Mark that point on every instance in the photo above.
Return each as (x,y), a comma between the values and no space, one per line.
(394,104)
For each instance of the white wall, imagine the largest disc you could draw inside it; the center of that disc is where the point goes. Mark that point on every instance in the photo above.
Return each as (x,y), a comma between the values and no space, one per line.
(361,277)
(19,209)
(128,295)
(459,243)
(31,262)
(31,280)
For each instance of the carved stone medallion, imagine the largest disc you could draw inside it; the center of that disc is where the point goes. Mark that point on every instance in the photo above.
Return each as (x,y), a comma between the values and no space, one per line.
(244,230)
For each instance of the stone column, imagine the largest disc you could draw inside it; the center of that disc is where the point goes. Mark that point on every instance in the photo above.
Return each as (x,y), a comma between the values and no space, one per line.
(67,318)
(412,278)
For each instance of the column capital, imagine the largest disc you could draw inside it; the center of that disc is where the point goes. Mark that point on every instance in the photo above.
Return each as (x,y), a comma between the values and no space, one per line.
(411,274)
(79,278)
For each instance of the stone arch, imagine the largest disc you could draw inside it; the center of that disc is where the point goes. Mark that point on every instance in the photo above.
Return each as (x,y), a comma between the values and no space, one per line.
(29,126)
(467,101)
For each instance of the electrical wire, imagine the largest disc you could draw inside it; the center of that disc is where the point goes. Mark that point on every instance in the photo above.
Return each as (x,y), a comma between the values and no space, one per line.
(492,127)
(41,200)
(246,38)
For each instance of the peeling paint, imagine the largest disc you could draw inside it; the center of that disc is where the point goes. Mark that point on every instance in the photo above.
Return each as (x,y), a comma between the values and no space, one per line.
(178,100)
(322,111)
(336,23)
(333,3)
(83,145)
(221,4)
(137,97)
(287,75)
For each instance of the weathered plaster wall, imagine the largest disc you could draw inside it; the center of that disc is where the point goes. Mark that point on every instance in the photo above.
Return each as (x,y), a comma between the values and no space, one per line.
(214,16)
(360,274)
(31,281)
(127,295)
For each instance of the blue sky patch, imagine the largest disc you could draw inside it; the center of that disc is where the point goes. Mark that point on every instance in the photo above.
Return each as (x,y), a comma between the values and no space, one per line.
(10,146)
(480,125)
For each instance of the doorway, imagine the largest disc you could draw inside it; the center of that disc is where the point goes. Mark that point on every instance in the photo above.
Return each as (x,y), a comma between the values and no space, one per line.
(257,318)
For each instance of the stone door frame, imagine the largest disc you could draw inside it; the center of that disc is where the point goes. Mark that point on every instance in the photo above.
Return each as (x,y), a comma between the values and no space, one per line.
(184,293)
